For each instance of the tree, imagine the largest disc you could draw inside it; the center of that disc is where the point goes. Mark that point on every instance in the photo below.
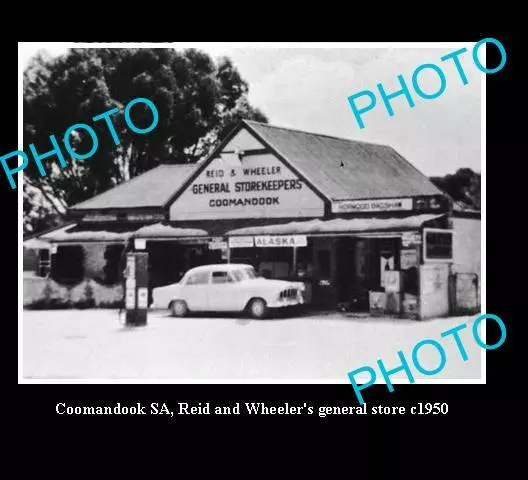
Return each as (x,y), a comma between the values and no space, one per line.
(463,186)
(198,101)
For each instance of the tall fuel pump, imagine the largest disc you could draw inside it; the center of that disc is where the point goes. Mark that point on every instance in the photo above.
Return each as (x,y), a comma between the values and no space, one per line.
(136,288)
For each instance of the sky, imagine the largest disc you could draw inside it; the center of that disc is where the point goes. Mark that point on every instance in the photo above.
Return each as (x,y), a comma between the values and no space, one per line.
(308,89)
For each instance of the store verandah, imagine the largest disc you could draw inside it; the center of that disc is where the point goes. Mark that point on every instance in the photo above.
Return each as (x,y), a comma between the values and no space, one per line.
(341,260)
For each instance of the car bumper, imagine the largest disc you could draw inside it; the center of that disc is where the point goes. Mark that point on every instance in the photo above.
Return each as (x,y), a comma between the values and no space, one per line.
(285,302)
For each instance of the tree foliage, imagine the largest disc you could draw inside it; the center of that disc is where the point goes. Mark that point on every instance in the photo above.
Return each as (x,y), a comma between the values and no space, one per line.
(198,100)
(463,186)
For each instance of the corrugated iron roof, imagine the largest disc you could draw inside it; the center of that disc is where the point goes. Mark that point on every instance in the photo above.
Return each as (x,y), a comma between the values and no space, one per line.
(36,244)
(338,225)
(151,189)
(345,169)
(159,230)
(78,233)
(340,169)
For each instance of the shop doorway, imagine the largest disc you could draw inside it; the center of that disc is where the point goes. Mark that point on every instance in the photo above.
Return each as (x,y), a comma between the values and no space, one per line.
(360,263)
(169,260)
(166,262)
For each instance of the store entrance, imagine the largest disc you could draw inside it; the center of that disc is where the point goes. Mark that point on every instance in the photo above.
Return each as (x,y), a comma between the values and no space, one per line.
(169,260)
(359,266)
(352,273)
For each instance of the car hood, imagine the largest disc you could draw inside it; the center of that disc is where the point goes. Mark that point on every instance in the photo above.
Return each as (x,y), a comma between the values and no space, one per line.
(269,283)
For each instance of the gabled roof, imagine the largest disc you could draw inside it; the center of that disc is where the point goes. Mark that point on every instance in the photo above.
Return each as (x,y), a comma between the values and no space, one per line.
(150,190)
(337,168)
(345,169)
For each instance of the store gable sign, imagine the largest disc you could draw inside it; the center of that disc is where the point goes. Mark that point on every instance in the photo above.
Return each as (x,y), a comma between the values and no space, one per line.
(249,183)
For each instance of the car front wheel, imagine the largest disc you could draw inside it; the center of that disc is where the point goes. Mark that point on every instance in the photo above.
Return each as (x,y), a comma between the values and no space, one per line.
(179,308)
(258,308)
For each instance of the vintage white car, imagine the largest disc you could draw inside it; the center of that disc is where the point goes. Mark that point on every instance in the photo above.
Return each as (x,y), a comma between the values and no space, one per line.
(227,288)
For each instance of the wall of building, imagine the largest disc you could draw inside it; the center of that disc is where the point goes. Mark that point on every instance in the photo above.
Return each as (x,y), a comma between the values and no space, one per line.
(30,258)
(434,290)
(46,293)
(94,261)
(467,264)
(467,245)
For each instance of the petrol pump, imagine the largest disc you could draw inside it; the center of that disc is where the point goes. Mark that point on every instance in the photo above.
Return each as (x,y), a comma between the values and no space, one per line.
(136,288)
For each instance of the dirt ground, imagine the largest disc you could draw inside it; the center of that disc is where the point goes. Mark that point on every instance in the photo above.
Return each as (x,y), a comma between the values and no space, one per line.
(93,344)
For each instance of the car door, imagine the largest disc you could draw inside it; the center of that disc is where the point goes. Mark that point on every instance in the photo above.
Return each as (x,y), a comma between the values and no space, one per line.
(221,295)
(195,290)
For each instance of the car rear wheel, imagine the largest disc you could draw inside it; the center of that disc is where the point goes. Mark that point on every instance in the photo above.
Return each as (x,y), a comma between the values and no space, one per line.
(179,308)
(258,308)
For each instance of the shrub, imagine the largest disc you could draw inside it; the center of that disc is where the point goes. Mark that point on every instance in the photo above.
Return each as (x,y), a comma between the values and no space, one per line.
(88,301)
(49,304)
(112,304)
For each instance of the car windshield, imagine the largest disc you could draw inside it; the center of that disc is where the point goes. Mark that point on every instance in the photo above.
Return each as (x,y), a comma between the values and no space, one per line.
(244,274)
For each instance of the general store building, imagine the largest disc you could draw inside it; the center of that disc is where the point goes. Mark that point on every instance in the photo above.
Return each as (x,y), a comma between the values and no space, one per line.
(359,224)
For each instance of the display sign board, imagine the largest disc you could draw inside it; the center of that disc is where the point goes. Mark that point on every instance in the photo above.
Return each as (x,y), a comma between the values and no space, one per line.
(129,217)
(408,258)
(391,280)
(411,238)
(377,302)
(281,241)
(217,245)
(438,245)
(140,243)
(379,205)
(93,217)
(193,241)
(142,301)
(257,186)
(422,203)
(241,242)
(145,217)
(430,202)
(433,278)
(130,299)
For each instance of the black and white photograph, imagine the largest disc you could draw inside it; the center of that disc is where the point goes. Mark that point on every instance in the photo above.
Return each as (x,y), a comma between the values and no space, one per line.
(231,213)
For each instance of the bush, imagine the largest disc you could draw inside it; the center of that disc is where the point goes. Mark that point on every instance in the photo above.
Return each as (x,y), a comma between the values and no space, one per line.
(88,301)
(113,304)
(49,304)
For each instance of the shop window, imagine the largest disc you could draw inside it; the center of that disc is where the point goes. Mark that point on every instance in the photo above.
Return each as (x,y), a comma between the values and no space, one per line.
(438,245)
(44,263)
(111,270)
(68,264)
(30,258)
(198,278)
(221,277)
